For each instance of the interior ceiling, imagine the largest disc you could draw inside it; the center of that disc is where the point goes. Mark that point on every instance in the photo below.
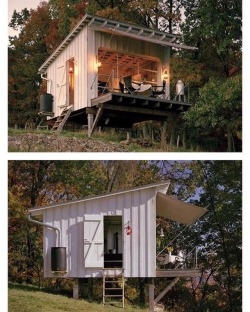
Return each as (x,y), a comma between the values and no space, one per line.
(112,220)
(128,60)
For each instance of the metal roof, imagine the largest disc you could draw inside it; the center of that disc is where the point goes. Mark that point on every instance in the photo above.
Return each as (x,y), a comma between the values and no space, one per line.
(166,206)
(89,198)
(120,28)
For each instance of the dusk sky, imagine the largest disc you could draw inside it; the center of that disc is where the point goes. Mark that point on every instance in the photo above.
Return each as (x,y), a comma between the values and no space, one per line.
(18,6)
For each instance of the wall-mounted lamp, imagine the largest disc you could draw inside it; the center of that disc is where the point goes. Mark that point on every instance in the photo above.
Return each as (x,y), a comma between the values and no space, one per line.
(71,70)
(98,63)
(164,73)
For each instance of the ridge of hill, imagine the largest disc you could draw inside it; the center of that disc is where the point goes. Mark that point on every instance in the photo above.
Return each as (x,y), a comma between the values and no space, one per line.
(23,298)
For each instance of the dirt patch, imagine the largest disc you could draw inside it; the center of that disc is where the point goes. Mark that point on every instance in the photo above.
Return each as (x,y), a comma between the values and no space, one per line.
(56,143)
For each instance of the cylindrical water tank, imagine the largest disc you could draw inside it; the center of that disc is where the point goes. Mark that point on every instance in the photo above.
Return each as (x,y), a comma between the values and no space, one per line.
(58,259)
(46,102)
(179,87)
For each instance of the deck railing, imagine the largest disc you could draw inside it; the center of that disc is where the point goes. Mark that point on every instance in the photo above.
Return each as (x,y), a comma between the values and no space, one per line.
(185,260)
(110,83)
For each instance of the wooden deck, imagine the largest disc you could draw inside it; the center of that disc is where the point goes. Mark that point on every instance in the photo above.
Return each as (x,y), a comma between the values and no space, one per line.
(123,110)
(178,273)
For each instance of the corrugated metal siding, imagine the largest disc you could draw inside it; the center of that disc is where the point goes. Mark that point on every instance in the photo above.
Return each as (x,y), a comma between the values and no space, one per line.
(138,208)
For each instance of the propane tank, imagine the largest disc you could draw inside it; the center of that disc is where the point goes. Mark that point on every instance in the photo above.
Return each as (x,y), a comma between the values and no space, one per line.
(179,87)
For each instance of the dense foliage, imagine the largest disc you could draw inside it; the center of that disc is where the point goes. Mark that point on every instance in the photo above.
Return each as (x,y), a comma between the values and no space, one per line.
(216,185)
(214,27)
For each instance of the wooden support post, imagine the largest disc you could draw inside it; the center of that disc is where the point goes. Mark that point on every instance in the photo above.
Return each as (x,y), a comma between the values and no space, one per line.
(90,123)
(97,117)
(76,289)
(150,295)
(129,135)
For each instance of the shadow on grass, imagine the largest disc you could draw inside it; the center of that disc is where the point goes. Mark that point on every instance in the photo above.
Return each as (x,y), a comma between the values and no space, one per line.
(23,287)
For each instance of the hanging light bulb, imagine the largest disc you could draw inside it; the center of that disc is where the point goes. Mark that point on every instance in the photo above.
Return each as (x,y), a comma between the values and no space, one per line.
(162,233)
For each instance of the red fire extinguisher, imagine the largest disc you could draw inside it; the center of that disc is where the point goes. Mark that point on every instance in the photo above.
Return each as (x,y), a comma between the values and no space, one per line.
(129,229)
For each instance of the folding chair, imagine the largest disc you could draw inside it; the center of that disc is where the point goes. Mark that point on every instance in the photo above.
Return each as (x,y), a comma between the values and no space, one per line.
(161,92)
(128,85)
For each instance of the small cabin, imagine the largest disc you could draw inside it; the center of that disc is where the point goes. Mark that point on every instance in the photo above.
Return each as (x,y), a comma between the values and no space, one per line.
(112,234)
(111,74)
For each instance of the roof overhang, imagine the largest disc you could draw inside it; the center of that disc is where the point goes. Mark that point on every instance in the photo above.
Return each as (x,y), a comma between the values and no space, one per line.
(176,210)
(118,28)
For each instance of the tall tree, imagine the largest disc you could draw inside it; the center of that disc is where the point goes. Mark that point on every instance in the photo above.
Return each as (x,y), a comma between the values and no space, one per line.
(67,13)
(26,54)
(215,28)
(213,72)
(164,15)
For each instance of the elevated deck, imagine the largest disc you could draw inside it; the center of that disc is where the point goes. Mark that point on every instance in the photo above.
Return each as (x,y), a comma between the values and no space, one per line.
(123,110)
(178,273)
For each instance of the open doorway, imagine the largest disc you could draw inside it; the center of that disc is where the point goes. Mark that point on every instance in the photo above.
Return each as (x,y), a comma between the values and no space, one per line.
(113,242)
(71,81)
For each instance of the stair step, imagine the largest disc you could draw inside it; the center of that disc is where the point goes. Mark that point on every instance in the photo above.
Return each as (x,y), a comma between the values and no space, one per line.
(61,120)
(113,296)
(115,291)
(113,302)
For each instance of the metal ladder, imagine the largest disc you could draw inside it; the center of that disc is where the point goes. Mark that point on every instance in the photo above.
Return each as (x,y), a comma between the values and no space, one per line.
(113,288)
(61,120)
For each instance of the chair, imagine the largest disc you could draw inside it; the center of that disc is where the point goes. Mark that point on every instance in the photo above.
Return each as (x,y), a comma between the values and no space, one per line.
(128,85)
(161,92)
(121,86)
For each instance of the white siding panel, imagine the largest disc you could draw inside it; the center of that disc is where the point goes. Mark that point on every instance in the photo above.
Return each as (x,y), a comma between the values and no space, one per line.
(136,208)
(91,67)
(135,234)
(77,49)
(127,238)
(142,239)
(151,235)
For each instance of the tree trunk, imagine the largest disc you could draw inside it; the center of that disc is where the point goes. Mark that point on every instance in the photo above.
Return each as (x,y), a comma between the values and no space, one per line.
(229,142)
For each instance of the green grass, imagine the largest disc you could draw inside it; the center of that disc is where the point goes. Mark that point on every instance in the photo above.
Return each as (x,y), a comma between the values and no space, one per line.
(29,299)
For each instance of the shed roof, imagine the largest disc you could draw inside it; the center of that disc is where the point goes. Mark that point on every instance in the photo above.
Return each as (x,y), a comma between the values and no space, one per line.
(120,28)
(166,206)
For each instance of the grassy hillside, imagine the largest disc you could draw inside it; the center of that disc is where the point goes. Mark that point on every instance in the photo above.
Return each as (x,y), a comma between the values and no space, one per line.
(30,299)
